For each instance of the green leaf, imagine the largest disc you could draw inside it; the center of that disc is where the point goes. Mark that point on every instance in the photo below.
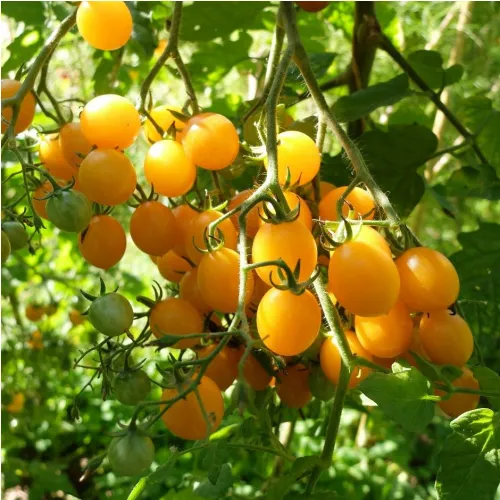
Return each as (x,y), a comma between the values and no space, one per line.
(488,381)
(470,458)
(225,479)
(23,49)
(363,102)
(429,66)
(30,13)
(402,396)
(216,456)
(143,41)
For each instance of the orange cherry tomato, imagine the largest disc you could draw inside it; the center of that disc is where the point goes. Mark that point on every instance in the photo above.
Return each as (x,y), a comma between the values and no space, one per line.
(183,214)
(176,317)
(255,374)
(386,336)
(360,199)
(373,238)
(259,290)
(103,243)
(110,122)
(107,177)
(311,6)
(211,141)
(53,160)
(74,146)
(219,280)
(294,389)
(252,219)
(288,324)
(429,282)
(164,119)
(446,338)
(76,317)
(34,313)
(330,360)
(460,403)
(185,418)
(9,88)
(189,290)
(153,228)
(39,204)
(168,169)
(290,241)
(223,369)
(293,201)
(172,267)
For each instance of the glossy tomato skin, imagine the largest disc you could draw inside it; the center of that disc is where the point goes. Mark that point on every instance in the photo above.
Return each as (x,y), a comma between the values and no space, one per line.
(183,214)
(446,338)
(211,141)
(16,233)
(253,219)
(26,111)
(219,280)
(104,25)
(110,121)
(131,454)
(288,324)
(164,119)
(255,374)
(363,278)
(293,388)
(168,169)
(289,241)
(104,242)
(74,146)
(53,160)
(185,417)
(153,228)
(190,291)
(69,211)
(223,369)
(360,199)
(312,6)
(131,387)
(111,314)
(172,267)
(386,336)
(6,248)
(176,317)
(460,403)
(373,238)
(429,282)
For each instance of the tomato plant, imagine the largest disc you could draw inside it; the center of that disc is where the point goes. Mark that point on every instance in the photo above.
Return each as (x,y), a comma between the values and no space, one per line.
(131,454)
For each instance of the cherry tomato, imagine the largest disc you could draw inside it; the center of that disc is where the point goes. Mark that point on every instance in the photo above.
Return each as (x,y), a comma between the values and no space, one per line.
(259,290)
(51,156)
(34,313)
(429,282)
(189,290)
(110,121)
(294,389)
(288,324)
(363,278)
(386,336)
(104,242)
(223,369)
(360,199)
(74,146)
(131,454)
(17,403)
(172,267)
(76,317)
(176,317)
(330,360)
(164,119)
(9,88)
(107,177)
(290,241)
(185,417)
(293,201)
(252,218)
(104,25)
(69,211)
(446,338)
(460,403)
(16,233)
(39,204)
(168,169)
(195,234)
(310,6)
(6,248)
(324,189)
(255,374)
(183,214)
(299,154)
(131,387)
(111,314)
(153,228)
(219,280)
(373,238)
(36,341)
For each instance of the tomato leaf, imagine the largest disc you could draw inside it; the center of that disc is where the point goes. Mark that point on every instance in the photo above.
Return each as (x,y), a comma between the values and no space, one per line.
(207,489)
(488,381)
(429,66)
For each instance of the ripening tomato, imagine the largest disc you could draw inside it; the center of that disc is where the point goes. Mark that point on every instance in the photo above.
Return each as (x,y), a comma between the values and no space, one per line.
(429,282)
(293,201)
(298,154)
(16,233)
(294,389)
(131,386)
(74,146)
(363,278)
(460,403)
(107,177)
(211,141)
(290,241)
(255,374)
(195,234)
(51,157)
(288,324)
(9,88)
(17,403)
(164,119)
(168,169)
(190,291)
(223,369)
(132,453)
(36,341)
(110,121)
(185,418)
(360,199)
(324,189)
(183,214)
(111,314)
(386,336)
(34,312)
(259,290)
(39,204)
(69,211)
(373,238)
(252,217)
(76,317)
(104,25)
(311,6)
(176,317)
(219,280)
(153,228)
(172,267)
(446,338)
(330,359)
(104,242)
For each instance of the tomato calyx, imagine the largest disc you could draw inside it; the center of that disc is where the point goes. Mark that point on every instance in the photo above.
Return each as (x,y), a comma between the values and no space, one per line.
(141,197)
(279,212)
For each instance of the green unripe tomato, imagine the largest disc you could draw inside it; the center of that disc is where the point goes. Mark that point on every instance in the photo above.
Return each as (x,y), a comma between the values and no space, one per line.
(111,314)
(131,387)
(5,246)
(69,211)
(16,233)
(131,454)
(319,385)
(118,363)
